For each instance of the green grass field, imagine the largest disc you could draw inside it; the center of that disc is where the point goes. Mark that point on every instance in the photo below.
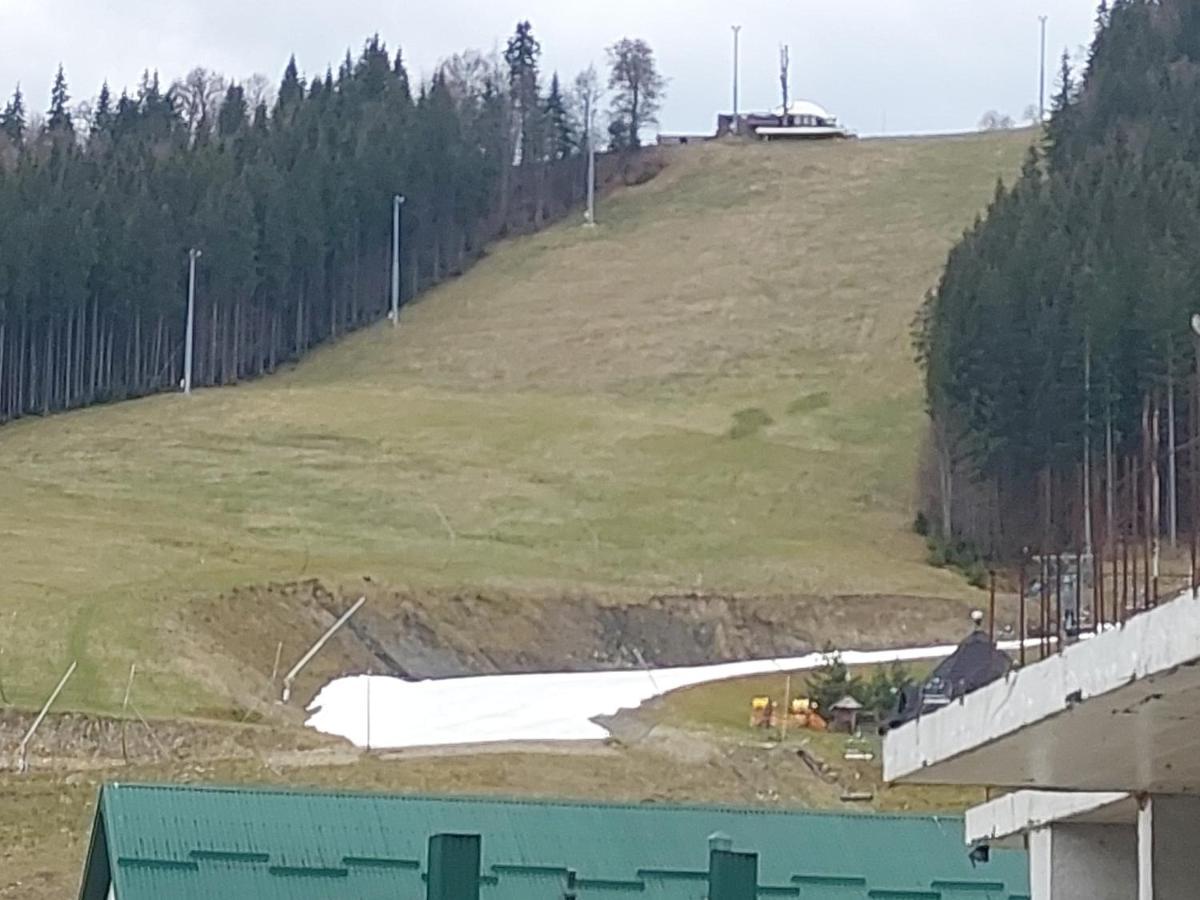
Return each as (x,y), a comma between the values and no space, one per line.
(723,709)
(714,388)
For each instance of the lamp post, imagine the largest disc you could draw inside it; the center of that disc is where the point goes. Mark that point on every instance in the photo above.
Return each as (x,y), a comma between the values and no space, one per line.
(397,205)
(189,340)
(737,32)
(1042,76)
(1193,450)
(589,118)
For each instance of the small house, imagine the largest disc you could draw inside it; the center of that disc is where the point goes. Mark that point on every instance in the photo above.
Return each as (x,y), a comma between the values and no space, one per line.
(845,715)
(974,664)
(800,120)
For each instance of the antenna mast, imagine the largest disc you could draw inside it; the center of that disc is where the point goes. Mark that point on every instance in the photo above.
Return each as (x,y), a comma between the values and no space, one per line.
(785,64)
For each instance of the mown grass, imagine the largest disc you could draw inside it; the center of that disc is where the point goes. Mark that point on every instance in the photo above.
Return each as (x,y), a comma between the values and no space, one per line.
(558,418)
(723,708)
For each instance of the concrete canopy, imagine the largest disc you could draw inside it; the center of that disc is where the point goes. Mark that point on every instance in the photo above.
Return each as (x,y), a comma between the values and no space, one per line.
(1015,815)
(1120,712)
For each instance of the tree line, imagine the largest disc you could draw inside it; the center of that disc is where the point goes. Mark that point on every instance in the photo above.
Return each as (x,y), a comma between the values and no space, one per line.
(1061,369)
(289,198)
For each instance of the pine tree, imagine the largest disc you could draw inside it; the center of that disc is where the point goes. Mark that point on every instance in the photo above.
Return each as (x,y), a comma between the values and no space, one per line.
(291,94)
(13,119)
(290,204)
(234,113)
(522,56)
(102,116)
(58,120)
(1056,342)
(1059,130)
(373,71)
(402,87)
(563,140)
(832,682)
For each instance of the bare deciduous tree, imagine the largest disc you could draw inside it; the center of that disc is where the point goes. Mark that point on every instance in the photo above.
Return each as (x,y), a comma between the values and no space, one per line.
(638,90)
(259,90)
(585,101)
(199,96)
(995,121)
(471,75)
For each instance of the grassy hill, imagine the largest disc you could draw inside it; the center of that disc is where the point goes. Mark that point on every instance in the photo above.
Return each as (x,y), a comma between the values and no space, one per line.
(714,388)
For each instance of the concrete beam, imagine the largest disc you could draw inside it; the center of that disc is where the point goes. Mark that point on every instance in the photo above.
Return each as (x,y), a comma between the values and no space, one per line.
(1118,713)
(1022,812)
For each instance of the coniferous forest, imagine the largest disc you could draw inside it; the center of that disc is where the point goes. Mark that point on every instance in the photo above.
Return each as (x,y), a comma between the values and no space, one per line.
(1061,365)
(288,197)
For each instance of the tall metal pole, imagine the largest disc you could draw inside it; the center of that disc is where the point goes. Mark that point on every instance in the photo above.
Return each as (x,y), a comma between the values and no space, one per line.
(397,204)
(193,255)
(1087,447)
(1042,76)
(589,120)
(737,33)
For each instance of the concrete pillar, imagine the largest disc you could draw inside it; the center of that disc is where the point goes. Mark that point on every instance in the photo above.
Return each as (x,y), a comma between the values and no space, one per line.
(1168,847)
(1083,862)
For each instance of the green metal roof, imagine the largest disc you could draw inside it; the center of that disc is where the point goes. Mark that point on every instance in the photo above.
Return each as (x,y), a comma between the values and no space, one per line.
(234,843)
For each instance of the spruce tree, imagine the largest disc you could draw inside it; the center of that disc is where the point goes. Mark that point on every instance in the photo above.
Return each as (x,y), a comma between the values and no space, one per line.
(58,120)
(102,116)
(233,115)
(563,140)
(522,55)
(13,119)
(1059,328)
(291,94)
(290,204)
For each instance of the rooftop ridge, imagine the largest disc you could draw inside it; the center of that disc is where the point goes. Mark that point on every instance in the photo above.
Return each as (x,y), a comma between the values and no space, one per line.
(560,802)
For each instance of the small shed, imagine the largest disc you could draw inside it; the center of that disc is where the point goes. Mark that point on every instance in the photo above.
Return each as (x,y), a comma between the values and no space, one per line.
(845,715)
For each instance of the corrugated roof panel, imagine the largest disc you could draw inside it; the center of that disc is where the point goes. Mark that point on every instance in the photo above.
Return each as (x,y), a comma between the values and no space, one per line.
(535,885)
(258,882)
(306,836)
(837,889)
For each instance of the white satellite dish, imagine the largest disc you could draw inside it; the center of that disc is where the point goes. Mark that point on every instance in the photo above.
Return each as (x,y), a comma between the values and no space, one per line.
(1196,323)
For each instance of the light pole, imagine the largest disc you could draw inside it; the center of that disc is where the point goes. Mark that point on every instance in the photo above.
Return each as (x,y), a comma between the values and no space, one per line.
(397,205)
(1192,452)
(193,255)
(737,32)
(589,124)
(1042,76)
(591,198)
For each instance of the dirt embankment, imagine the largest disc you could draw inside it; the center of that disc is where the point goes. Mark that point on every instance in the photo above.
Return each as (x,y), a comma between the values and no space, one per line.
(77,741)
(454,633)
(241,644)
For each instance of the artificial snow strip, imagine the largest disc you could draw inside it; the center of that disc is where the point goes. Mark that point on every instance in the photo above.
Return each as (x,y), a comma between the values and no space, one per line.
(382,712)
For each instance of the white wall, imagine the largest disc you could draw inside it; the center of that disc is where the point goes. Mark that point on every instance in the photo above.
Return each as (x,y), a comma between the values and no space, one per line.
(1095,862)
(1083,862)
(1169,848)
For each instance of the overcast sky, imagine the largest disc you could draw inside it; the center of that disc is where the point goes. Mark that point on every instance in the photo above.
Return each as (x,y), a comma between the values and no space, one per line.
(918,65)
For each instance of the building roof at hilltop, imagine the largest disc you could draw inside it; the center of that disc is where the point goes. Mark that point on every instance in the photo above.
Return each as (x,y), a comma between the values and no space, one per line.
(805,108)
(188,842)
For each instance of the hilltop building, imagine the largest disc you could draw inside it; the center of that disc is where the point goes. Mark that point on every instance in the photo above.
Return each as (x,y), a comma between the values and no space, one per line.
(801,120)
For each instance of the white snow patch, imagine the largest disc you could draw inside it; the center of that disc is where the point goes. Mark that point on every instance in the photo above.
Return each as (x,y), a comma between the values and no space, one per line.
(382,712)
